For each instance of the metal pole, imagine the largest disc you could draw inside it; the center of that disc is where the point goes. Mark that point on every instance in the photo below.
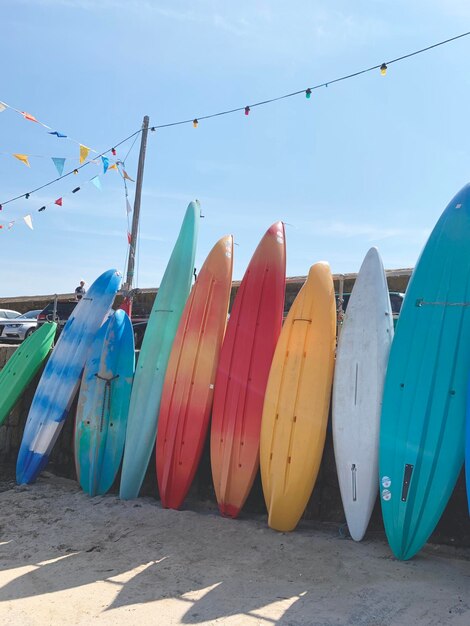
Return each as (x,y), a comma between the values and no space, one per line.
(135,217)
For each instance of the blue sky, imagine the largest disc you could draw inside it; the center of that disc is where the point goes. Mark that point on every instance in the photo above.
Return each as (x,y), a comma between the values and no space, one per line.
(370,161)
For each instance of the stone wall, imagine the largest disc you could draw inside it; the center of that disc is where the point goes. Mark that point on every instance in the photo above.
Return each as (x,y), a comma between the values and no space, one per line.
(325,503)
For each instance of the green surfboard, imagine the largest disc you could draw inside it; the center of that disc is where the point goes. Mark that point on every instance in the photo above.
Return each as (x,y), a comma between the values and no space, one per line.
(23,365)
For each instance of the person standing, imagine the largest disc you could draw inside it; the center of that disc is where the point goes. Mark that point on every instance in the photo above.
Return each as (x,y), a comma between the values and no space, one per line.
(80,291)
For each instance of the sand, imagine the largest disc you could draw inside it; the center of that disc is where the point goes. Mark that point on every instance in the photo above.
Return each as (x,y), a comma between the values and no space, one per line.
(68,559)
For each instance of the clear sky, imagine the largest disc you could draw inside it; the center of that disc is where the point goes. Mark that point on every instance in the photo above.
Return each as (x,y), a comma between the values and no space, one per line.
(369,161)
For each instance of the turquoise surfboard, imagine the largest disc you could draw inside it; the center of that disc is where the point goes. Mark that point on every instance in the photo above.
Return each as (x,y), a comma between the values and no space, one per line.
(61,377)
(154,354)
(422,436)
(103,403)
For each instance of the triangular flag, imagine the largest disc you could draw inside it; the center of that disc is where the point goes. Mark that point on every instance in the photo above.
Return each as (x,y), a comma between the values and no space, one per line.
(1,225)
(10,225)
(128,207)
(83,153)
(96,181)
(112,167)
(28,221)
(129,238)
(23,158)
(2,107)
(58,201)
(126,175)
(57,134)
(105,164)
(28,116)
(59,163)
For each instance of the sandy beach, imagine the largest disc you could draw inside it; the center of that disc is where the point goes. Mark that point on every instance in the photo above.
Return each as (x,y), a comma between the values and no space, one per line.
(69,559)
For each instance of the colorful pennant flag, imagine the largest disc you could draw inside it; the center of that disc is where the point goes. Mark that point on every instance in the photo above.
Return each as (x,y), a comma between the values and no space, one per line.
(2,107)
(83,153)
(105,163)
(59,163)
(23,158)
(28,221)
(57,134)
(128,207)
(28,116)
(112,167)
(58,201)
(96,181)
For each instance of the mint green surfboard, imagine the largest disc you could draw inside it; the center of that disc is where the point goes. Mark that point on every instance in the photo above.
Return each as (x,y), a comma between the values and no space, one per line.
(154,354)
(21,368)
(422,436)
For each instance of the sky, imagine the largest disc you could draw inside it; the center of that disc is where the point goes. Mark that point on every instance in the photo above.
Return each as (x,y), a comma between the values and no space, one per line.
(371,161)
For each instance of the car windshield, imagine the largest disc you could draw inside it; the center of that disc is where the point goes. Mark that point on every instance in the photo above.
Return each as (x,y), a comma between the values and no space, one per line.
(30,315)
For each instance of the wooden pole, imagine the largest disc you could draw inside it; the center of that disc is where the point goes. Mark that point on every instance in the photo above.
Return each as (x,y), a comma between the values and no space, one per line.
(135,218)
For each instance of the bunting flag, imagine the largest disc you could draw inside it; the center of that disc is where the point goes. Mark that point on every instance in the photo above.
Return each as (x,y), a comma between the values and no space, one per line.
(128,206)
(2,107)
(83,153)
(57,134)
(96,181)
(23,158)
(59,162)
(126,176)
(112,167)
(105,164)
(58,201)
(28,221)
(28,116)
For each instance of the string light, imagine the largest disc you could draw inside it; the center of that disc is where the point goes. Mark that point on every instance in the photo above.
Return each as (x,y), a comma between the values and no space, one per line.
(27,196)
(307,92)
(247,110)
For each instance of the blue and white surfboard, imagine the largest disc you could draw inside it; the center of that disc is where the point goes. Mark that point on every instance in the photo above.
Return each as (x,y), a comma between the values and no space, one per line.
(61,377)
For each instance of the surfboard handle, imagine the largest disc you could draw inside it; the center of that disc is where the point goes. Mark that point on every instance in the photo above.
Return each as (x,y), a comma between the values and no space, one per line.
(406,482)
(353,477)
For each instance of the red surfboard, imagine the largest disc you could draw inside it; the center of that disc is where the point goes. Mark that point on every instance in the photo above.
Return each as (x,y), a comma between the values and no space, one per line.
(245,359)
(188,388)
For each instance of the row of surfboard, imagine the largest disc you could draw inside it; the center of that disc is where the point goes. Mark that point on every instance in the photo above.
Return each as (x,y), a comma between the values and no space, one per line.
(267,389)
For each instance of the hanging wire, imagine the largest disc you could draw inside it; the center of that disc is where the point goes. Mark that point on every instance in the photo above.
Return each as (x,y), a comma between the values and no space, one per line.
(310,89)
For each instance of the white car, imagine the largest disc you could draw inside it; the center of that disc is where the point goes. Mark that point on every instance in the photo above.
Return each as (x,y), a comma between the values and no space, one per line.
(21,327)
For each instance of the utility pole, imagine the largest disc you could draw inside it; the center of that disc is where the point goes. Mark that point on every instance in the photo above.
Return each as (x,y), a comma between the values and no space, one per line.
(135,218)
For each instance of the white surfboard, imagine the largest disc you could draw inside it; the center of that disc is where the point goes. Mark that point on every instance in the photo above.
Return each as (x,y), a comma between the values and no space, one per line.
(361,364)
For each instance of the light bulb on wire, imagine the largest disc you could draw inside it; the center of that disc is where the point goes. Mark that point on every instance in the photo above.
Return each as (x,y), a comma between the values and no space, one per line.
(383,69)
(195,123)
(308,93)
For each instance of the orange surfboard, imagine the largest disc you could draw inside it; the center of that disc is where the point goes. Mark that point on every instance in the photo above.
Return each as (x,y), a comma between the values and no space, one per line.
(189,381)
(252,332)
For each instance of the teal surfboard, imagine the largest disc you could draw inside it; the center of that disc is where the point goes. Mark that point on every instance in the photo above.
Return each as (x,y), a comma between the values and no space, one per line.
(103,404)
(23,365)
(154,354)
(422,437)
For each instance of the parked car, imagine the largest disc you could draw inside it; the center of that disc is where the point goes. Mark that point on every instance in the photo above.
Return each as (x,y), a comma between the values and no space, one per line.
(6,315)
(63,312)
(139,332)
(396,300)
(21,327)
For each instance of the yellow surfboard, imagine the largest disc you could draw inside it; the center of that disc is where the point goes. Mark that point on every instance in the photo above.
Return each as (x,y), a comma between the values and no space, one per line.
(297,400)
